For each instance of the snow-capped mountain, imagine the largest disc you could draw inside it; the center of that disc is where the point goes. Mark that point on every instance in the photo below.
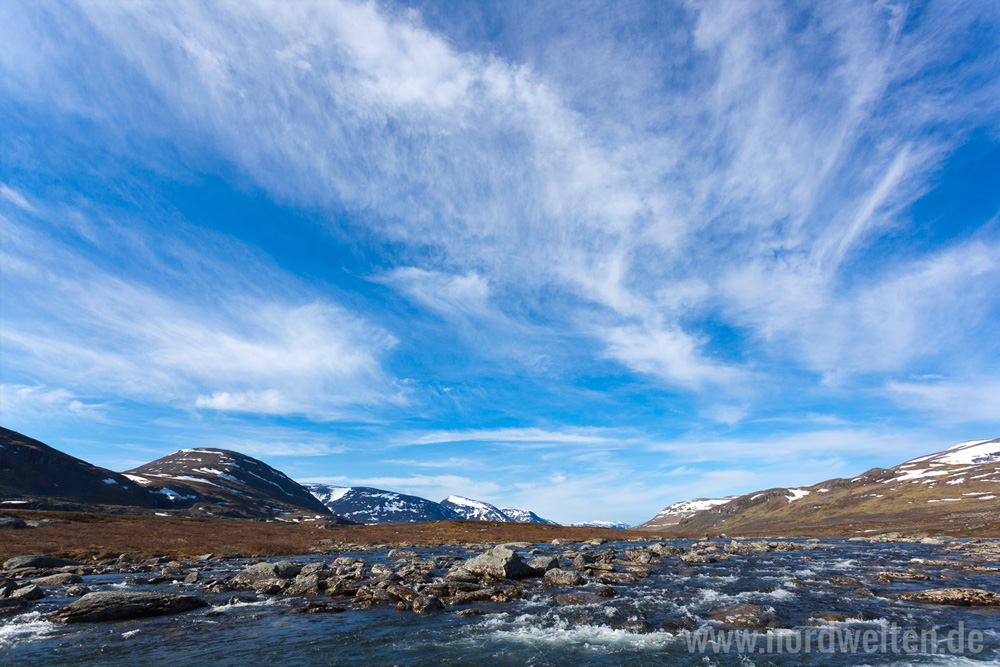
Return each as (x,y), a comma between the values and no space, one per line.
(524,516)
(224,483)
(474,510)
(954,491)
(366,505)
(678,512)
(618,525)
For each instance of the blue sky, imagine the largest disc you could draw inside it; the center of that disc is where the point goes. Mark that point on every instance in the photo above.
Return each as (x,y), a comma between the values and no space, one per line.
(584,258)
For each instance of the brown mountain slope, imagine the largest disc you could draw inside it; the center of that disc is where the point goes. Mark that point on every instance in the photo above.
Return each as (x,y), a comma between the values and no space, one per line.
(956,491)
(30,469)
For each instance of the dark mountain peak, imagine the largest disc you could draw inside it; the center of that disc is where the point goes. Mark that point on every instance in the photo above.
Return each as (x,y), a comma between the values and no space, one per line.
(30,469)
(237,482)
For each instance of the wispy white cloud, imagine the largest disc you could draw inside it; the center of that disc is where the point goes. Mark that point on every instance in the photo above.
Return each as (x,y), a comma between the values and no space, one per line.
(20,402)
(224,347)
(536,436)
(955,401)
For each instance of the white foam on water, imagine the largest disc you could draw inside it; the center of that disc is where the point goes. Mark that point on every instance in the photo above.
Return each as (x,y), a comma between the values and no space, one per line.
(130,633)
(24,628)
(559,633)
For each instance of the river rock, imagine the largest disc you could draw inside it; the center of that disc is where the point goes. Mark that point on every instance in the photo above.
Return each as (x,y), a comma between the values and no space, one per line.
(11,606)
(742,617)
(426,604)
(543,564)
(28,592)
(499,562)
(124,605)
(965,597)
(41,562)
(560,577)
(62,579)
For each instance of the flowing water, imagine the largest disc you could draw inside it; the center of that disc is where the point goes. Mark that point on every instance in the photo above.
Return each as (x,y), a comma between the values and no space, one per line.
(652,622)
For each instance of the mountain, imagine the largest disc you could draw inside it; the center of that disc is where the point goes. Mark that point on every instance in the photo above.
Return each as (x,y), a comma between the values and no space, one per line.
(474,510)
(220,482)
(31,471)
(952,492)
(363,504)
(618,525)
(678,512)
(524,516)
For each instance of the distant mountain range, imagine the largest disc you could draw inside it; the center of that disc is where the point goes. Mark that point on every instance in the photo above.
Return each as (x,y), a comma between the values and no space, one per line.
(213,482)
(955,491)
(373,506)
(618,525)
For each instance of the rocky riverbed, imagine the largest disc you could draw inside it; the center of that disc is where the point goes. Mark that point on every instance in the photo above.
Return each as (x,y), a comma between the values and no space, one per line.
(595,602)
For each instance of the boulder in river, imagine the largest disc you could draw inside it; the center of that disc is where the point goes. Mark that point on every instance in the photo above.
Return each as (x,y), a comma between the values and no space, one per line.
(61,579)
(560,577)
(965,597)
(500,562)
(124,605)
(427,604)
(742,617)
(41,562)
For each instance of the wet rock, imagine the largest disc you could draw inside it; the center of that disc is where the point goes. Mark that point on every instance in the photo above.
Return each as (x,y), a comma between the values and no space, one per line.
(192,578)
(886,577)
(698,558)
(476,611)
(402,553)
(844,581)
(499,562)
(266,572)
(27,592)
(965,597)
(427,604)
(639,555)
(459,573)
(560,577)
(343,561)
(62,579)
(315,607)
(306,584)
(616,578)
(9,606)
(543,564)
(77,591)
(123,605)
(286,569)
(343,588)
(606,592)
(661,549)
(43,562)
(742,617)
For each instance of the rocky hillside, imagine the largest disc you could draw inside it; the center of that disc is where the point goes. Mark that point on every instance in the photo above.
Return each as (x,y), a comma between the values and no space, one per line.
(220,482)
(366,505)
(32,474)
(954,491)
